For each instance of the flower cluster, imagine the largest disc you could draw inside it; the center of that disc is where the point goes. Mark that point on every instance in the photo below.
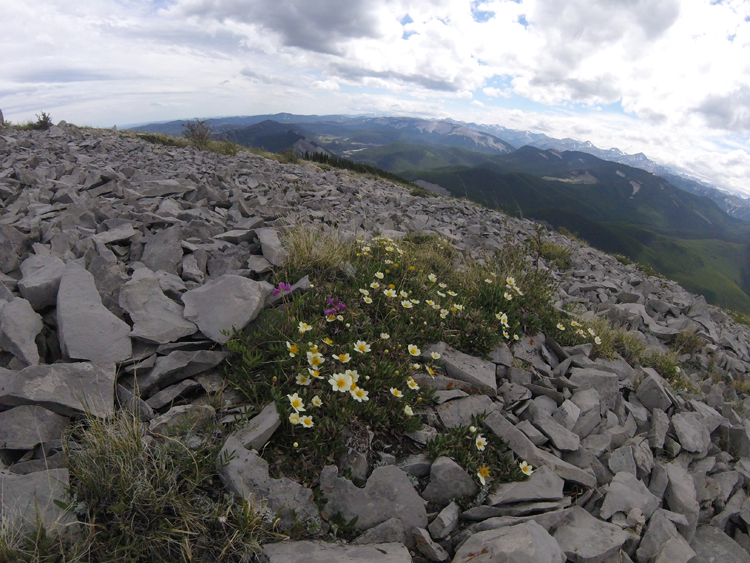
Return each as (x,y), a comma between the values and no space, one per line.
(335,306)
(578,331)
(281,288)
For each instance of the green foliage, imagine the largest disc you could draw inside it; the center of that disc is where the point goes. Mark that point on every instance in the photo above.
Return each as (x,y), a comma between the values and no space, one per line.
(42,123)
(461,444)
(386,298)
(198,133)
(687,342)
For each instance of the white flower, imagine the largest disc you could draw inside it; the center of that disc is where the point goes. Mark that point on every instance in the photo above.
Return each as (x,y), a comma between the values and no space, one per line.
(359,395)
(507,296)
(389,293)
(297,402)
(361,346)
(432,278)
(304,327)
(434,355)
(406,304)
(367,300)
(526,468)
(597,340)
(303,379)
(307,421)
(379,275)
(560,326)
(384,335)
(412,384)
(480,442)
(408,411)
(374,285)
(364,292)
(396,393)
(294,418)
(340,382)
(413,350)
(316,401)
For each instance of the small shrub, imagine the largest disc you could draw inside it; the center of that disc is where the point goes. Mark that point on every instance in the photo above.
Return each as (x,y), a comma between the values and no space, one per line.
(288,157)
(572,236)
(687,342)
(198,133)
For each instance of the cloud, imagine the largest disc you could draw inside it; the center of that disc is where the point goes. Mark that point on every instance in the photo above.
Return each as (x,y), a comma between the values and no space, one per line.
(728,111)
(325,85)
(497,92)
(318,26)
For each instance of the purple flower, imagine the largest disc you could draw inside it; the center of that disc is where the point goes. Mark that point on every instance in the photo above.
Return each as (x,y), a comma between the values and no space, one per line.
(282,287)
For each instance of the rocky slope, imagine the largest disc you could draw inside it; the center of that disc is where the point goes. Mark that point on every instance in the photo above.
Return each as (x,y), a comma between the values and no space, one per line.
(123,262)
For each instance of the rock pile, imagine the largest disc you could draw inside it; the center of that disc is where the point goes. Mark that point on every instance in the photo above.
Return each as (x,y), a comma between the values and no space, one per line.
(124,265)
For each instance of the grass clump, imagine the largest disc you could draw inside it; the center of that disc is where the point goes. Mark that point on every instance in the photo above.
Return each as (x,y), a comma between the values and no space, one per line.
(42,123)
(146,497)
(341,360)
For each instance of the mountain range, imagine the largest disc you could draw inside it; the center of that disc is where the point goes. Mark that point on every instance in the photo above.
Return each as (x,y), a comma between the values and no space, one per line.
(624,204)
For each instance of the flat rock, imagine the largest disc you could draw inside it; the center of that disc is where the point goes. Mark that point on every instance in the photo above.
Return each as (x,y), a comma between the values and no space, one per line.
(169,394)
(66,389)
(625,493)
(177,366)
(156,317)
(271,246)
(448,480)
(246,475)
(652,393)
(87,329)
(259,429)
(163,251)
(662,542)
(322,552)
(527,451)
(23,427)
(479,373)
(223,304)
(691,431)
(544,484)
(427,547)
(712,545)
(390,531)
(584,539)
(19,326)
(681,497)
(26,498)
(605,383)
(388,492)
(445,522)
(459,411)
(560,437)
(41,280)
(522,543)
(181,417)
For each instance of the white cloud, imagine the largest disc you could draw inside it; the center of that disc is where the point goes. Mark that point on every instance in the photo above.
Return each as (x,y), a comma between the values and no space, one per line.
(667,78)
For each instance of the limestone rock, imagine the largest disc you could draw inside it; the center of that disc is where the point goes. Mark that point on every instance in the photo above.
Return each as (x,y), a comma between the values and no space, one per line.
(156,318)
(388,492)
(544,484)
(222,304)
(246,475)
(87,330)
(477,372)
(259,429)
(523,543)
(41,280)
(448,480)
(66,389)
(23,427)
(273,251)
(584,539)
(19,326)
(322,552)
(711,544)
(681,497)
(26,498)
(459,411)
(625,493)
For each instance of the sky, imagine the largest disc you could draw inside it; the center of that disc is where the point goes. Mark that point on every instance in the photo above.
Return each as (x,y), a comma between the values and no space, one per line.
(668,78)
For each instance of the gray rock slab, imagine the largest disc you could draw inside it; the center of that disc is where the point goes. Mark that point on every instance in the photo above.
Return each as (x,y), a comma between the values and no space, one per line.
(479,373)
(544,484)
(13,245)
(258,264)
(117,234)
(19,326)
(427,547)
(560,437)
(390,531)
(536,437)
(622,460)
(223,304)
(448,480)
(273,251)
(657,434)
(680,497)
(445,522)
(711,417)
(584,539)
(134,405)
(527,451)
(625,493)
(388,492)
(652,393)
(691,431)
(169,394)
(164,251)
(322,552)
(66,389)
(26,498)
(711,545)
(41,280)
(87,329)
(259,429)
(23,427)
(522,543)
(156,317)
(605,383)
(459,411)
(246,475)
(416,465)
(662,537)
(177,366)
